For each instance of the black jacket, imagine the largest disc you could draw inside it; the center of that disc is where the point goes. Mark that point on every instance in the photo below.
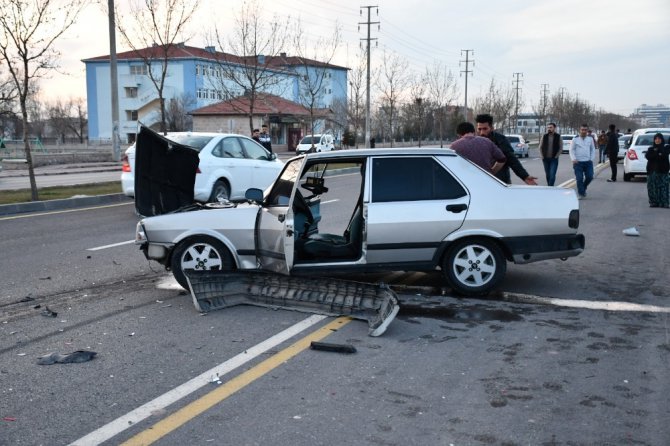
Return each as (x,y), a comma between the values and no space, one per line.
(512,161)
(657,159)
(612,148)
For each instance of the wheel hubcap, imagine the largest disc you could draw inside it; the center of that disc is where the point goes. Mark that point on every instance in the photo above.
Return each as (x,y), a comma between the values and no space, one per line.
(474,265)
(201,257)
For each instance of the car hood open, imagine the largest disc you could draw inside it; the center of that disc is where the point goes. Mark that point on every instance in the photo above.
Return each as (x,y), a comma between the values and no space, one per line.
(164,173)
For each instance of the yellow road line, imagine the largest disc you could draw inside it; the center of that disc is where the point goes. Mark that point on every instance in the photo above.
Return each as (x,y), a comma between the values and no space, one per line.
(187,413)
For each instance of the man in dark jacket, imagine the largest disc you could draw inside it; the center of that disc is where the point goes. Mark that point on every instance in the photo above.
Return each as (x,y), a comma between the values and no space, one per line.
(551,146)
(485,128)
(612,150)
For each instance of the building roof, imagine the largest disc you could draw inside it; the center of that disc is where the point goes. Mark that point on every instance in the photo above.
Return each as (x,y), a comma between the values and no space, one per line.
(265,104)
(183,51)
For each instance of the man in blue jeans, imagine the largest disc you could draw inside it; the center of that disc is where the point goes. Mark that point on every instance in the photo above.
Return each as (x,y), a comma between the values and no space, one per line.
(582,152)
(551,146)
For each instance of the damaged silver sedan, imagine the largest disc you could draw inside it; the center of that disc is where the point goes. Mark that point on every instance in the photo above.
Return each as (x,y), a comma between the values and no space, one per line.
(370,210)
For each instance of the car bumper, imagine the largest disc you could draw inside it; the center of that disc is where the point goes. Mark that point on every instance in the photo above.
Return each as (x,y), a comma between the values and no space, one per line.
(535,248)
(635,166)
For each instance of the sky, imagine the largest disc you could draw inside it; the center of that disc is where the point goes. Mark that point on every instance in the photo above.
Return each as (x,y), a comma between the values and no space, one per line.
(613,54)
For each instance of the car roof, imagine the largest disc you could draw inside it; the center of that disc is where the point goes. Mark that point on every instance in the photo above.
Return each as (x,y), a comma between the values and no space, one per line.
(436,151)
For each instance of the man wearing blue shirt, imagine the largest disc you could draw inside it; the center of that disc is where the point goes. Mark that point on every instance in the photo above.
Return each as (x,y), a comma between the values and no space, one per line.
(582,152)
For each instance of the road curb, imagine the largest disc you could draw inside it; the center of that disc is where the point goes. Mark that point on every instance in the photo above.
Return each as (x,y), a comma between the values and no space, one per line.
(66,203)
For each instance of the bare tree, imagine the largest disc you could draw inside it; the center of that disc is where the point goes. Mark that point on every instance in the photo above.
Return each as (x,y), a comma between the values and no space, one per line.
(442,90)
(28,30)
(418,106)
(357,78)
(68,118)
(394,78)
(156,27)
(498,102)
(252,58)
(176,113)
(314,68)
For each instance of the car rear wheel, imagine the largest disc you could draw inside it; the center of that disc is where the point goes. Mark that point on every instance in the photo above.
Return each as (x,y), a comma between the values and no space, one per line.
(474,266)
(199,253)
(220,192)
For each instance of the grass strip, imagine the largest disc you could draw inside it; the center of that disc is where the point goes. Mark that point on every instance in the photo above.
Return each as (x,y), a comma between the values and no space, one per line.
(60,192)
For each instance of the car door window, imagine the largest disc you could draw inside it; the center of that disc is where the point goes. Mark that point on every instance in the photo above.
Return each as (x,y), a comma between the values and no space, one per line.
(412,179)
(230,148)
(253,150)
(280,194)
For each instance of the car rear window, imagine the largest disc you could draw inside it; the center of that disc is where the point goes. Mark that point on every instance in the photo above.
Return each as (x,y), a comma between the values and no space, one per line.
(513,138)
(198,142)
(310,140)
(648,139)
(412,179)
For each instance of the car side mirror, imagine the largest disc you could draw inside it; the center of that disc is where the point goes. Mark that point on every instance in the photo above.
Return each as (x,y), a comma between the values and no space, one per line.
(254,194)
(273,156)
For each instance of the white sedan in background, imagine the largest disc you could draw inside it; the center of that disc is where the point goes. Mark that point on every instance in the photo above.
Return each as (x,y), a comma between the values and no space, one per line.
(224,165)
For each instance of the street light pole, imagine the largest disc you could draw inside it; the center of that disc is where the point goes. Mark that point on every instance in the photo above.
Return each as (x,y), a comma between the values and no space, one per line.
(116,143)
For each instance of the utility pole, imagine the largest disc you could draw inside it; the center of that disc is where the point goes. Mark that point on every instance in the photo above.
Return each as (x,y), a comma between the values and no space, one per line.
(367,77)
(116,143)
(516,107)
(545,91)
(466,71)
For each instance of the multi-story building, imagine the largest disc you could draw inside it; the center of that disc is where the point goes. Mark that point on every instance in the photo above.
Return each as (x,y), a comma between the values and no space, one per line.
(653,115)
(197,77)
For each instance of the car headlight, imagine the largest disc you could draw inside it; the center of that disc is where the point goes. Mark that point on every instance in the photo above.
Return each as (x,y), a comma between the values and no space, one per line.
(140,234)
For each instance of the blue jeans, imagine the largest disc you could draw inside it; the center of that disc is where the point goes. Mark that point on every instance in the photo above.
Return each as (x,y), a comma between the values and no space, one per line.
(583,175)
(550,167)
(602,157)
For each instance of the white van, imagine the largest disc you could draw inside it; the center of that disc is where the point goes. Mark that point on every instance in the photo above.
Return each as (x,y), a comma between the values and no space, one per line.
(315,143)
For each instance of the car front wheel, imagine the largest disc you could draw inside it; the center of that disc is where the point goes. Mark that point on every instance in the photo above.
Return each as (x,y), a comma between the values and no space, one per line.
(199,253)
(474,266)
(220,192)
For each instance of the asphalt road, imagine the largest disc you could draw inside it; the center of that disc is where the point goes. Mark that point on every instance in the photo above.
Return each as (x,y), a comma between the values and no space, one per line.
(574,352)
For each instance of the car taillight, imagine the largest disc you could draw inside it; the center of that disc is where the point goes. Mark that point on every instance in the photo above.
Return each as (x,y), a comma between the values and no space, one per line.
(125,166)
(632,155)
(198,170)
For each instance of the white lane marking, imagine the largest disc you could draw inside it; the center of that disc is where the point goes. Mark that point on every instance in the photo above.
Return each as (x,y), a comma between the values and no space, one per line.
(98,248)
(587,304)
(143,412)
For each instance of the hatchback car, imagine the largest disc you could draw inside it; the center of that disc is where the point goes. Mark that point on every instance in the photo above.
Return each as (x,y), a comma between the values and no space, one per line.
(519,145)
(635,162)
(356,211)
(315,143)
(567,140)
(226,164)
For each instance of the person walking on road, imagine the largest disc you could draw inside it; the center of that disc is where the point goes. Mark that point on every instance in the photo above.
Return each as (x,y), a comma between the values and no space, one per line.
(612,150)
(602,145)
(658,166)
(551,146)
(582,152)
(478,149)
(485,129)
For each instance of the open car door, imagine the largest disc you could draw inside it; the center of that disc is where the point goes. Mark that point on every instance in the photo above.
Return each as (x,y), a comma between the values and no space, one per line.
(275,229)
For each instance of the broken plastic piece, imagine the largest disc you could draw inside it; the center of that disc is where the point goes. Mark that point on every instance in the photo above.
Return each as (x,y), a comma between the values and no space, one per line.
(48,312)
(329,347)
(74,357)
(632,231)
(214,290)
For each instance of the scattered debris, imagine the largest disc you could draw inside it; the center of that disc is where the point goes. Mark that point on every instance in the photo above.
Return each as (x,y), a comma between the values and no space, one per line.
(45,278)
(8,419)
(215,290)
(48,312)
(74,357)
(27,299)
(329,347)
(632,231)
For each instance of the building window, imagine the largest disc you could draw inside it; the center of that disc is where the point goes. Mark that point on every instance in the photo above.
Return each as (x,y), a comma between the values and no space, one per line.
(131,115)
(197,70)
(139,70)
(131,92)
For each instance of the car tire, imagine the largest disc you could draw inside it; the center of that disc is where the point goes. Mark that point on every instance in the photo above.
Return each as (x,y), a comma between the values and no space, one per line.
(199,253)
(627,176)
(220,192)
(489,266)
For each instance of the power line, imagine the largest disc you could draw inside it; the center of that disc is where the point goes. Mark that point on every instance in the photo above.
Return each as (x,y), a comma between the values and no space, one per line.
(467,71)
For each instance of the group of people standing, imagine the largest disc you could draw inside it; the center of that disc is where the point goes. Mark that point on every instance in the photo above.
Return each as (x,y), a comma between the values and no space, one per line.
(262,137)
(493,152)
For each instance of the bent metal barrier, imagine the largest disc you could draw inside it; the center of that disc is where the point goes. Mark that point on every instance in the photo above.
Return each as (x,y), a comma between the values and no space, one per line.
(214,290)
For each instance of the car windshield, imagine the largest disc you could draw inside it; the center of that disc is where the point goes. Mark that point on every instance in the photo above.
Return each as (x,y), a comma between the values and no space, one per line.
(566,137)
(196,141)
(310,139)
(513,138)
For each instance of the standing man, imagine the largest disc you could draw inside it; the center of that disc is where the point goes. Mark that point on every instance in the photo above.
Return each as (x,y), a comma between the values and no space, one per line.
(582,151)
(477,149)
(485,129)
(602,145)
(551,146)
(265,139)
(254,135)
(612,149)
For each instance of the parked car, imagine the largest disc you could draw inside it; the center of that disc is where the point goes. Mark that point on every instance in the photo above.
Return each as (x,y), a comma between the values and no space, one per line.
(567,140)
(226,165)
(635,163)
(381,215)
(624,143)
(315,143)
(519,144)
